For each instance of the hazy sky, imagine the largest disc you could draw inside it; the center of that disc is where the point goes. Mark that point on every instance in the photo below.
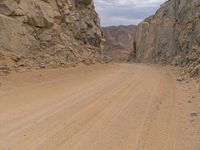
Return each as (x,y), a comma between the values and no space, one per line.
(125,12)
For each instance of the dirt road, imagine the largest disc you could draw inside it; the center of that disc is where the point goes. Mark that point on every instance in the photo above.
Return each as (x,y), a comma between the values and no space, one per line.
(100,107)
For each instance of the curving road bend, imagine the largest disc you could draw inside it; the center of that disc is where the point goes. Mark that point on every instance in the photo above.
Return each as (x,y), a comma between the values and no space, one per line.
(100,107)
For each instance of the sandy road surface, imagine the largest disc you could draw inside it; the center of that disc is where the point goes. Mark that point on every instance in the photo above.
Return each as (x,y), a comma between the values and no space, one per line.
(101,107)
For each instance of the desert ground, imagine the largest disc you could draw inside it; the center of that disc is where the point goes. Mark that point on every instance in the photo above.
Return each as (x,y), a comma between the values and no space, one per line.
(99,107)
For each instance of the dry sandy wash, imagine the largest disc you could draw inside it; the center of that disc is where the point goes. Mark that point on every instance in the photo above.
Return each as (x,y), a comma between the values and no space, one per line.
(99,107)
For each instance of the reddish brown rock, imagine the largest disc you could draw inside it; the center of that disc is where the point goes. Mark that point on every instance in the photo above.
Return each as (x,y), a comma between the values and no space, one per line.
(119,42)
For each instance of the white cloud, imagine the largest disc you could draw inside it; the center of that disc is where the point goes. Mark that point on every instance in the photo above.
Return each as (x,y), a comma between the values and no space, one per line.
(117,12)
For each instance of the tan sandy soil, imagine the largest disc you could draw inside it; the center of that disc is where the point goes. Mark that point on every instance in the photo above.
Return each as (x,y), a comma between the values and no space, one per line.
(99,107)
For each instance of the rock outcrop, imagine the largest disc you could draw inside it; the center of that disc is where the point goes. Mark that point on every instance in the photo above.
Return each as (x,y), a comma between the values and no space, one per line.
(48,33)
(172,36)
(119,41)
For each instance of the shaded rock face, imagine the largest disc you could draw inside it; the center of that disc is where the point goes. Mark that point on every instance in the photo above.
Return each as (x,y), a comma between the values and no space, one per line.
(119,42)
(172,35)
(48,33)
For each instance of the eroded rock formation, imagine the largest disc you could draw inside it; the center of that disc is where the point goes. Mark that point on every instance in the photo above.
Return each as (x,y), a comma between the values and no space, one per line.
(119,42)
(172,36)
(48,33)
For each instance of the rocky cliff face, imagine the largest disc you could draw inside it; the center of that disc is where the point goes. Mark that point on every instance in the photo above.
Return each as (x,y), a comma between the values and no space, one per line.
(48,33)
(172,35)
(119,41)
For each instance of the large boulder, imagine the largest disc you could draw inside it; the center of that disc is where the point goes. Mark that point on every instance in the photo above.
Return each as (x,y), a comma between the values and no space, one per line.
(13,35)
(7,6)
(38,13)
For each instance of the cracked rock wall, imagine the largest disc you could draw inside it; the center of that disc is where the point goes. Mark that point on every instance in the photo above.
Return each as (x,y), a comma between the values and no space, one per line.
(172,36)
(48,33)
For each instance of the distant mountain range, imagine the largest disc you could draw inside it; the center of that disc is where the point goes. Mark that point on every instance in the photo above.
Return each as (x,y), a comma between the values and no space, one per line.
(119,41)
